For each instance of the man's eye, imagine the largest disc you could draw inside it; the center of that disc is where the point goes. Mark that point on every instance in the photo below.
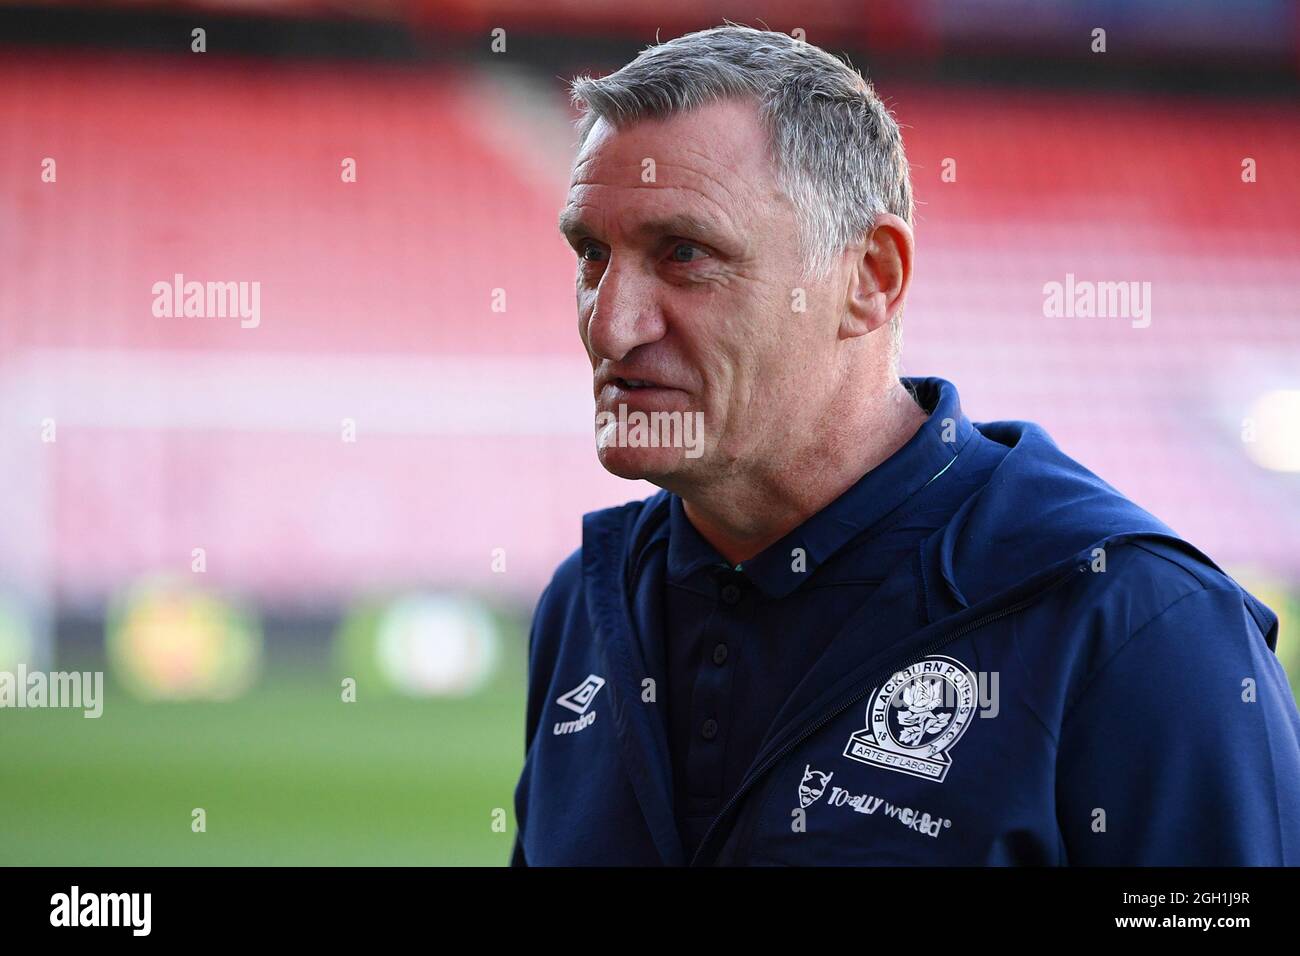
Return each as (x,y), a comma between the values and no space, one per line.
(590,252)
(687,252)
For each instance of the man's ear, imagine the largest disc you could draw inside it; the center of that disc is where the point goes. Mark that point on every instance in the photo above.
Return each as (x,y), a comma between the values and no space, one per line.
(880,277)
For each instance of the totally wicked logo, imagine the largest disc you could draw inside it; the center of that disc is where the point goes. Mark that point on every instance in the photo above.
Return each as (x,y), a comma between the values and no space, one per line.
(815,783)
(812,786)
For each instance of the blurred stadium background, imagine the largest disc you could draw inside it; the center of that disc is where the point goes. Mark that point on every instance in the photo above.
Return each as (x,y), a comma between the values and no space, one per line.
(410,558)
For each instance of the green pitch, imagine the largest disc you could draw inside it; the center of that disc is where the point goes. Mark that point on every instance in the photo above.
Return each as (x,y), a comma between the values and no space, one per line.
(288,775)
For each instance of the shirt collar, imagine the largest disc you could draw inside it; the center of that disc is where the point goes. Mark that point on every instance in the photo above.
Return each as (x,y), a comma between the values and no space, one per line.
(776,572)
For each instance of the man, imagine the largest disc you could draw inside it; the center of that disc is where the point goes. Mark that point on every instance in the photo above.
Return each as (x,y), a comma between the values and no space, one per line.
(854,628)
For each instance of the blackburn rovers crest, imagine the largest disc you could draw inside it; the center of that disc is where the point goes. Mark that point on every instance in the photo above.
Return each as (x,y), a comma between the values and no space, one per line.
(916,717)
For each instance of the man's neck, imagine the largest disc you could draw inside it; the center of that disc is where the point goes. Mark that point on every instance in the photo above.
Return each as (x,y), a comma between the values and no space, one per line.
(743,516)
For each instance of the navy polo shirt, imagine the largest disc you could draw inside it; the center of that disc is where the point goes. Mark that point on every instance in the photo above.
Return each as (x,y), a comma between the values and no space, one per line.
(740,639)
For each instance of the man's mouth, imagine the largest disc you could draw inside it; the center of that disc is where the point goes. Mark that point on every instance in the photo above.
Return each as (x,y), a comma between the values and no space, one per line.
(638,391)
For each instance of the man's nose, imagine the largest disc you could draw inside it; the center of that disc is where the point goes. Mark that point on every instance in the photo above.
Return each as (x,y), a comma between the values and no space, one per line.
(624,315)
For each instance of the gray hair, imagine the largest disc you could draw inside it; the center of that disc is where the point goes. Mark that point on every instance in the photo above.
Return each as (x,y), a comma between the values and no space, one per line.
(839,153)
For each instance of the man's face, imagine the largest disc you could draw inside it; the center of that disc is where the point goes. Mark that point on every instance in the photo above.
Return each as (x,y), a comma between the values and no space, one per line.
(689,279)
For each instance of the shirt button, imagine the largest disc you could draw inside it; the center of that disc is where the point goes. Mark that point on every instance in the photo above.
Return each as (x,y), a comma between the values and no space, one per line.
(720,654)
(710,729)
(730,594)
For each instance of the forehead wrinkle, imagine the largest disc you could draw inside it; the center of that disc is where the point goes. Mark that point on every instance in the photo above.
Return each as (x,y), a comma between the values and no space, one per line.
(737,201)
(634,167)
(734,173)
(723,220)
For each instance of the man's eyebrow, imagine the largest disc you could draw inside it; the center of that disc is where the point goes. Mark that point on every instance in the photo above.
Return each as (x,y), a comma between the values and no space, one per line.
(571,224)
(679,224)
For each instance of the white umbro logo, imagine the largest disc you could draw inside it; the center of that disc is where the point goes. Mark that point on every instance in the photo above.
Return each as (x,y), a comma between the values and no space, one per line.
(579,700)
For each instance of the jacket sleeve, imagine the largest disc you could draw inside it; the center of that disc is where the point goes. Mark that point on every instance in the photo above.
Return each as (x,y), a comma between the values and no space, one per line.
(531,720)
(1183,749)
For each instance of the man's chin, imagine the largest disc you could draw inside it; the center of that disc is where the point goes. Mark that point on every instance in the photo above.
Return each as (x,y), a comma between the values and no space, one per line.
(655,465)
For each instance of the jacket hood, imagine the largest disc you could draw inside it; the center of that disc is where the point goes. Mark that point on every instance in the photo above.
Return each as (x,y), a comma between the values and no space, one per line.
(1039,508)
(1040,512)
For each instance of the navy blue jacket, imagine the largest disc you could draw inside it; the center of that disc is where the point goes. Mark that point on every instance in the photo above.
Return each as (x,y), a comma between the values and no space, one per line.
(1065,681)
